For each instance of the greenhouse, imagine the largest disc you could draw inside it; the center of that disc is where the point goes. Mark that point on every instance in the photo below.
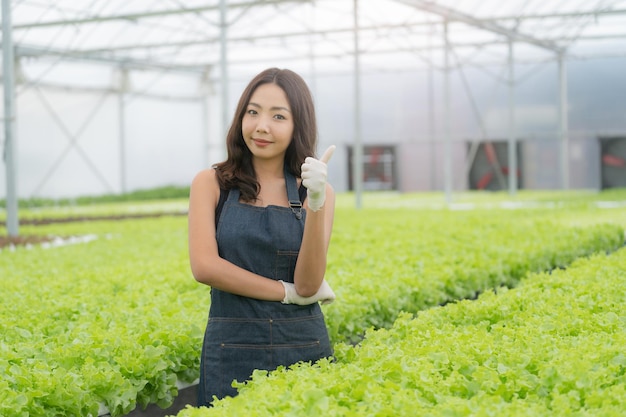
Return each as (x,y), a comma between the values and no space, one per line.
(480,163)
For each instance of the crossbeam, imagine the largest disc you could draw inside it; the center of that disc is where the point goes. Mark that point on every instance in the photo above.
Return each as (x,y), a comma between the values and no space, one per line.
(452,15)
(37,51)
(157,13)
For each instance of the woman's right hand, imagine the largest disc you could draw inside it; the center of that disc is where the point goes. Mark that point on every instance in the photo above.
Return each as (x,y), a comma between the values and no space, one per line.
(325,295)
(314,173)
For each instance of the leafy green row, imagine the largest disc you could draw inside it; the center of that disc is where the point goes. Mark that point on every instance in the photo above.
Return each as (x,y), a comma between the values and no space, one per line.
(553,346)
(382,262)
(116,321)
(119,320)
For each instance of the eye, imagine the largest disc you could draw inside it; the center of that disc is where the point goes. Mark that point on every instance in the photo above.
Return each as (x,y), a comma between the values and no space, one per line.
(280,117)
(251,111)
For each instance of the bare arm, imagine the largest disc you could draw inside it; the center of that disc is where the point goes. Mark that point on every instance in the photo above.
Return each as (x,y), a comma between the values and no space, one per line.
(206,264)
(311,264)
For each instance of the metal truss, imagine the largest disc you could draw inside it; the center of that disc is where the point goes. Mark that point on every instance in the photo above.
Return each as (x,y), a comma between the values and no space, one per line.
(205,39)
(121,53)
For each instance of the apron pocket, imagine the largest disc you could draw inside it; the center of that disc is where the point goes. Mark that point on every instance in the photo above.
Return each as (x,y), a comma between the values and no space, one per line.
(303,339)
(285,265)
(287,355)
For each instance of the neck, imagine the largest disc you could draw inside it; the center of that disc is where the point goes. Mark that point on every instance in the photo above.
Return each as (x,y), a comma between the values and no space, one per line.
(268,169)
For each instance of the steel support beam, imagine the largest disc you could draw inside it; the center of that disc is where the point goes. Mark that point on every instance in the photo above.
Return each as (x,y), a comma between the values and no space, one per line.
(543,16)
(432,122)
(512,148)
(92,54)
(224,66)
(205,107)
(357,154)
(194,10)
(72,140)
(8,69)
(88,52)
(563,122)
(123,89)
(133,17)
(129,63)
(447,116)
(450,14)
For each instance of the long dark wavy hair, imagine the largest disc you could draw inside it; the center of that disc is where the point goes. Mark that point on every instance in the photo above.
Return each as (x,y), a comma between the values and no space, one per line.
(237,170)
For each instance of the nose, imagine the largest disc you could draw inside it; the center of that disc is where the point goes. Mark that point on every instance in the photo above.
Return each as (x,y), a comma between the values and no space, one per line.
(262,125)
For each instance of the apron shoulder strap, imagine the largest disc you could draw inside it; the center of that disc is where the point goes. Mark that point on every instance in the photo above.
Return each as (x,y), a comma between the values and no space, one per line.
(220,205)
(292,194)
(295,196)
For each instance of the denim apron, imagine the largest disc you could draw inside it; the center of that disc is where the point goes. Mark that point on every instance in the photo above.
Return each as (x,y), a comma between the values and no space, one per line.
(244,334)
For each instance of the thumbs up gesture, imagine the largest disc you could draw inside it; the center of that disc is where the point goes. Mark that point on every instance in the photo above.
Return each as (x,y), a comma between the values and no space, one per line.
(314,174)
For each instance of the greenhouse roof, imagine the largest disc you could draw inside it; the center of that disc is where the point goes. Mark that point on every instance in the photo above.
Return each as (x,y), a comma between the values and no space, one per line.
(197,35)
(190,50)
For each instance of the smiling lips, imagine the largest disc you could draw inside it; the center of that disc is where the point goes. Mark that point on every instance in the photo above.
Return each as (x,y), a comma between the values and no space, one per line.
(261,142)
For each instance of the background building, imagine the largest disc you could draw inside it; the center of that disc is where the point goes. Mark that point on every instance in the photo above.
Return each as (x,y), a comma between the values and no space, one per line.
(112,96)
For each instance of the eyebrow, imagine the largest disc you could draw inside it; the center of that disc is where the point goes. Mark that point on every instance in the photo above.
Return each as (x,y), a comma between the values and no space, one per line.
(272,108)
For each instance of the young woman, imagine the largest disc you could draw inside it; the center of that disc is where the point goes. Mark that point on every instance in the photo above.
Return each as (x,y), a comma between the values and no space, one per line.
(259,228)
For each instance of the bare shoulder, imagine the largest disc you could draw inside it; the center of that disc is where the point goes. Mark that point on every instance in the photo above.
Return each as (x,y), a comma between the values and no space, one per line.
(206,177)
(205,183)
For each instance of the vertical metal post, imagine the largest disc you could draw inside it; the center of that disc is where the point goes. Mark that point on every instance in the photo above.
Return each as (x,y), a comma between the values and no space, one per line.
(205,142)
(311,39)
(431,122)
(224,65)
(447,117)
(512,151)
(121,99)
(563,122)
(357,157)
(8,72)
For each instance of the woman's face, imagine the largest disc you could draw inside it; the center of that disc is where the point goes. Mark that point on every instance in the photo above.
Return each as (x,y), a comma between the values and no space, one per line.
(267,125)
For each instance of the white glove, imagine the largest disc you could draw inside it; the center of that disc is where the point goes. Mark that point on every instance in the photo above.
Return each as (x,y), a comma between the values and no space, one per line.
(314,173)
(325,294)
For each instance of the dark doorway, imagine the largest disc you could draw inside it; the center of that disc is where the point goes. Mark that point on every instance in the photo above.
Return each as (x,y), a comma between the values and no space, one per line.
(613,162)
